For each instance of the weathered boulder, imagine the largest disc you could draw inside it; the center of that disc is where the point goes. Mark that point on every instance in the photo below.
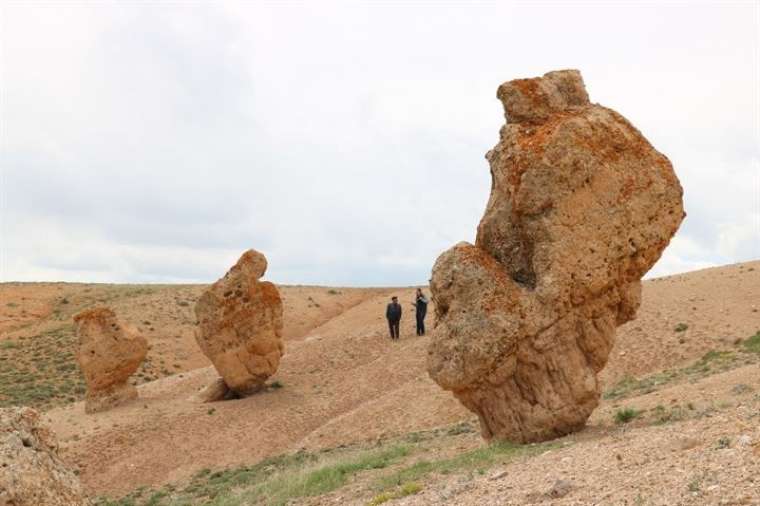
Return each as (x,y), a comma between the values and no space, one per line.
(31,474)
(240,327)
(109,353)
(581,206)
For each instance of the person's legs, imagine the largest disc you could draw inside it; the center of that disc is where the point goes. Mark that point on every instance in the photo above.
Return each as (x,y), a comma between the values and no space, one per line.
(396,328)
(390,326)
(419,324)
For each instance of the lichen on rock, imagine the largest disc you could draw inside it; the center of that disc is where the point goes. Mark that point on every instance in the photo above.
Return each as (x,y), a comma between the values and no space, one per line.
(240,327)
(581,207)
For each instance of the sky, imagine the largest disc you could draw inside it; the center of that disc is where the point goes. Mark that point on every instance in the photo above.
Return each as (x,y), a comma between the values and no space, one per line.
(154,142)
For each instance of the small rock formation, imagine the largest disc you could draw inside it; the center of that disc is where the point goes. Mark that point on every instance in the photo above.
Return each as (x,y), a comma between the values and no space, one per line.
(31,474)
(581,207)
(240,328)
(109,353)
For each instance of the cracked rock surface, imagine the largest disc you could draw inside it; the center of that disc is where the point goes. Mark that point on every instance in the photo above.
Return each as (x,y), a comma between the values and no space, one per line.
(31,474)
(581,207)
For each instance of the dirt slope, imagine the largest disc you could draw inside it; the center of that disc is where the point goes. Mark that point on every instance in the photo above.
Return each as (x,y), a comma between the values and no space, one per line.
(342,379)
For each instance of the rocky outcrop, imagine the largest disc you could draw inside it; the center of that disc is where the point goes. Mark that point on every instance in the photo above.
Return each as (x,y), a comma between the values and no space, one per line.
(581,207)
(240,327)
(31,474)
(109,353)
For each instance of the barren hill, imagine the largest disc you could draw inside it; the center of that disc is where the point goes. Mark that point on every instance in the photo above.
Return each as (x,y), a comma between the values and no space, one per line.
(343,383)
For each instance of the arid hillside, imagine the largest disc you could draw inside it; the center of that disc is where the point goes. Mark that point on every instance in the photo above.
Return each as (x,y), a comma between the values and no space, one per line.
(679,423)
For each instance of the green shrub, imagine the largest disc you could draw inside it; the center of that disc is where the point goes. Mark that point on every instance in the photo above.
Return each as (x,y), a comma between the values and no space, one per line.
(625,415)
(404,490)
(752,344)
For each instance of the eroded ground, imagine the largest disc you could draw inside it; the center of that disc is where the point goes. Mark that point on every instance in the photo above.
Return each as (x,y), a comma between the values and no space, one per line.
(682,375)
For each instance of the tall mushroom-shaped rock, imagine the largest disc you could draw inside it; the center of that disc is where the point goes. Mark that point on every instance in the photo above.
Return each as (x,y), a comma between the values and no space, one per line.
(581,206)
(240,326)
(109,353)
(31,473)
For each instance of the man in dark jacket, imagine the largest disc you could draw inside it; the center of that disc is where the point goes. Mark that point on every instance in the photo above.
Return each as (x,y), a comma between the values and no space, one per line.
(420,310)
(393,314)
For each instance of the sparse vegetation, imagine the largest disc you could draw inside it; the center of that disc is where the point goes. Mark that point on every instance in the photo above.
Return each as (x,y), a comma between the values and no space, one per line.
(276,384)
(664,415)
(711,362)
(332,291)
(724,442)
(752,344)
(681,327)
(625,415)
(280,480)
(404,490)
(461,428)
(40,371)
(274,481)
(473,460)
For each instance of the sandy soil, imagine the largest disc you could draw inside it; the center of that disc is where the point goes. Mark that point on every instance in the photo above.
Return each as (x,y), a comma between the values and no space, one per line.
(344,381)
(710,459)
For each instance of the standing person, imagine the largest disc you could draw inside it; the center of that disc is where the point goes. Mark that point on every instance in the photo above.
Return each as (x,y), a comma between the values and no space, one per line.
(393,314)
(420,310)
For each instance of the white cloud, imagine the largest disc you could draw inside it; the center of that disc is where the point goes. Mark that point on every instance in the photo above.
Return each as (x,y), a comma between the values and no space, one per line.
(156,141)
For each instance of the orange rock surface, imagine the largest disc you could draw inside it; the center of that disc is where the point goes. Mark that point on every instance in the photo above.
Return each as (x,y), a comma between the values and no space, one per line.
(240,325)
(581,207)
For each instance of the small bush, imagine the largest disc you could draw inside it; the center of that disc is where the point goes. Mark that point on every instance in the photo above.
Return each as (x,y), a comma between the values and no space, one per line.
(724,442)
(752,344)
(276,384)
(625,415)
(409,488)
(663,415)
(681,327)
(333,292)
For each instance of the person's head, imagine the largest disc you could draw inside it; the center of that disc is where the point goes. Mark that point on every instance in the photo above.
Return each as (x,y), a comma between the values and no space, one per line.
(394,299)
(419,291)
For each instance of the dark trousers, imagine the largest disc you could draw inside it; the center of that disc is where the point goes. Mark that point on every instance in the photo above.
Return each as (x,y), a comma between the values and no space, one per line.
(420,324)
(393,325)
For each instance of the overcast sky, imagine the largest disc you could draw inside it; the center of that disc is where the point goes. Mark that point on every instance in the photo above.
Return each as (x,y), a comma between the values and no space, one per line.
(155,142)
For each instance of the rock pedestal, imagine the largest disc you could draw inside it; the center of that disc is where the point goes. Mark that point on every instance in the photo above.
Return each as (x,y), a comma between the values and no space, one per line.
(240,327)
(109,353)
(581,206)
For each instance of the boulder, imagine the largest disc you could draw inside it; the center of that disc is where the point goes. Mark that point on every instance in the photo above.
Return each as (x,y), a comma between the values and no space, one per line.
(240,327)
(581,206)
(31,474)
(109,353)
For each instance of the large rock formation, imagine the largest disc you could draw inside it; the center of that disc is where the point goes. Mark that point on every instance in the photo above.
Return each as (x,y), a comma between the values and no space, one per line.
(240,327)
(109,352)
(31,474)
(581,207)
